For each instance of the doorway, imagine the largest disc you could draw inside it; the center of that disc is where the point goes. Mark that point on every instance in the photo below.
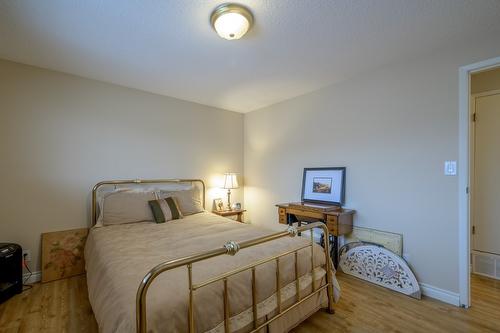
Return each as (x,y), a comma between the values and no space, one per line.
(485,178)
(466,176)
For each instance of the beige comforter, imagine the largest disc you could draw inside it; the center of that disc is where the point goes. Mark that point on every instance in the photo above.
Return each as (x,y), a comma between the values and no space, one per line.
(119,256)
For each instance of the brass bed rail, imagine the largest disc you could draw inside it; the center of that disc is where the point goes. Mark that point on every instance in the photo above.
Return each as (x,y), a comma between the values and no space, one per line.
(137,182)
(232,248)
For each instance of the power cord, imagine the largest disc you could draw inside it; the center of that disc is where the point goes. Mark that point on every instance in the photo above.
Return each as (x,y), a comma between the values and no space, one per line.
(25,265)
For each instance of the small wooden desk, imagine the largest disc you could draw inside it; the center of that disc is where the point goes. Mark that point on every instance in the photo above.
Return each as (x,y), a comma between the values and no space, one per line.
(338,220)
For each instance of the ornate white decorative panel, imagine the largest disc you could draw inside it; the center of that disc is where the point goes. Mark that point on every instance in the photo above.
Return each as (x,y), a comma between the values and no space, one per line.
(378,265)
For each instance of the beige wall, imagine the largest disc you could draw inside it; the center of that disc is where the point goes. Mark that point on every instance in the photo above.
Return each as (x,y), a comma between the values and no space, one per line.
(60,134)
(485,81)
(393,129)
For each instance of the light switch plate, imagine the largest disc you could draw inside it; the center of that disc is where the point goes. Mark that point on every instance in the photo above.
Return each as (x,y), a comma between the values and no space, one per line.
(450,168)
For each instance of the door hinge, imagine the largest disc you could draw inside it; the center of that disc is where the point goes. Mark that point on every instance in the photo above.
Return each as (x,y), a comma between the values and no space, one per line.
(473,229)
(467,190)
(474,117)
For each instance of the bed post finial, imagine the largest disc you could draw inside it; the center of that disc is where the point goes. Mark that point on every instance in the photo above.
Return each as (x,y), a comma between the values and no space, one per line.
(232,247)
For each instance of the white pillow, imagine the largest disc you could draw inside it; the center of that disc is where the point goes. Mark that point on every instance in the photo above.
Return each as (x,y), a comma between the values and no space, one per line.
(189,201)
(101,195)
(126,206)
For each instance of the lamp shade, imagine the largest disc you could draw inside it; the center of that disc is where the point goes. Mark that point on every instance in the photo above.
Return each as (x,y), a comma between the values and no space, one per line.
(230,181)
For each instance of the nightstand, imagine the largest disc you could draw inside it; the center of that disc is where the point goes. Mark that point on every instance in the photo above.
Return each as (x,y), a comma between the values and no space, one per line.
(235,212)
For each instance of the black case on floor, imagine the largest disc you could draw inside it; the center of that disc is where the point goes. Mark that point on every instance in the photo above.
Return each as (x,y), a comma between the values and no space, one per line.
(11,270)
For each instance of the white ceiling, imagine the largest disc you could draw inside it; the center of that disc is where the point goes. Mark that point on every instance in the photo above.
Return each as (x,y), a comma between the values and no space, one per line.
(296,46)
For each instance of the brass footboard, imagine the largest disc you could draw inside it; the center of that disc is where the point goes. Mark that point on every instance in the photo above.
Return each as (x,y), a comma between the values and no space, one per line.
(232,248)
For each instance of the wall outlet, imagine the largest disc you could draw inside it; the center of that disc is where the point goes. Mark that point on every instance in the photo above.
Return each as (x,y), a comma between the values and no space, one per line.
(27,255)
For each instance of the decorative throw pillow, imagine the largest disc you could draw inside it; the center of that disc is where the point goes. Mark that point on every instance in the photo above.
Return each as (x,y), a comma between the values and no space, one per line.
(189,201)
(165,209)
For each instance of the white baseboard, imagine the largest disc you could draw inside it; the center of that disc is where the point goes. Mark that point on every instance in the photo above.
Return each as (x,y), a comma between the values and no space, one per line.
(440,294)
(35,277)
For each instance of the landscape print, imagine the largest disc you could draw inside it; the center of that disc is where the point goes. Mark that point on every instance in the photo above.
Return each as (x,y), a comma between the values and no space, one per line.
(322,185)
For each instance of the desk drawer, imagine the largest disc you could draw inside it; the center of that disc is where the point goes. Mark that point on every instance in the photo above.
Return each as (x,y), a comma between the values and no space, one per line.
(332,223)
(333,228)
(282,215)
(339,225)
(309,214)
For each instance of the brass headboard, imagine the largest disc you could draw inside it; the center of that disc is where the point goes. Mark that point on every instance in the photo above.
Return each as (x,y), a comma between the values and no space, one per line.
(135,182)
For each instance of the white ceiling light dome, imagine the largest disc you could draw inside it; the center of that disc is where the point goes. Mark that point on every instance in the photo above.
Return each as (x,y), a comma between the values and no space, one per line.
(231,21)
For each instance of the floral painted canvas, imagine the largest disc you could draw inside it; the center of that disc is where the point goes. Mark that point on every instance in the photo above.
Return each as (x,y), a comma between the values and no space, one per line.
(62,254)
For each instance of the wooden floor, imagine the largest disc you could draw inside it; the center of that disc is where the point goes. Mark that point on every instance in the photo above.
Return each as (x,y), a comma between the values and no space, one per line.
(62,306)
(367,308)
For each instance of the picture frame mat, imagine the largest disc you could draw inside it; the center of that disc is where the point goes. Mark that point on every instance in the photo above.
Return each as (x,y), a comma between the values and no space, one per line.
(337,191)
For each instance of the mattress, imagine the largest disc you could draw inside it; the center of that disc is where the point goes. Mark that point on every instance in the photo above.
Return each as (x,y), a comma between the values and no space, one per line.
(119,256)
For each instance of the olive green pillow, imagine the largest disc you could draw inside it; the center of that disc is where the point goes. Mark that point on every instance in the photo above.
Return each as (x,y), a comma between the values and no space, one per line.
(165,209)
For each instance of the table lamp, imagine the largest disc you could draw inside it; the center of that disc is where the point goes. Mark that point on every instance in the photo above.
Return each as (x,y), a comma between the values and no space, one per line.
(230,182)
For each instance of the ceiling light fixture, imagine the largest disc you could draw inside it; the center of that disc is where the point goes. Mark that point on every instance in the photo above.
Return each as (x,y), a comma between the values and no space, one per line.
(231,21)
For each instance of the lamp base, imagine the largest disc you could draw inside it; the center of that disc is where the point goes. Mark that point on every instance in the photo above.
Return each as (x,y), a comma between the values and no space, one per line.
(229,200)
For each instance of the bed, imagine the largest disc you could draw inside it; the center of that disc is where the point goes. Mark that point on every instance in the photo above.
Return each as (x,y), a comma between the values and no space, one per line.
(204,273)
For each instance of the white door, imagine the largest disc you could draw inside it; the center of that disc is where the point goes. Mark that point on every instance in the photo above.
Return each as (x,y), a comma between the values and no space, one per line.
(486,210)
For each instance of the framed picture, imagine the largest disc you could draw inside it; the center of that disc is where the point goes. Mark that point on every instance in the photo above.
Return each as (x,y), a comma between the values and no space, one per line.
(219,205)
(324,185)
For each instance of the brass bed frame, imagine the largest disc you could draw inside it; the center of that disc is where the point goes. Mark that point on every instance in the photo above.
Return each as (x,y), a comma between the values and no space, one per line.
(230,248)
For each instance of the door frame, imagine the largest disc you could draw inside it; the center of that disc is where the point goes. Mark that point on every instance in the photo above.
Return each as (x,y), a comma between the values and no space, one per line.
(464,174)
